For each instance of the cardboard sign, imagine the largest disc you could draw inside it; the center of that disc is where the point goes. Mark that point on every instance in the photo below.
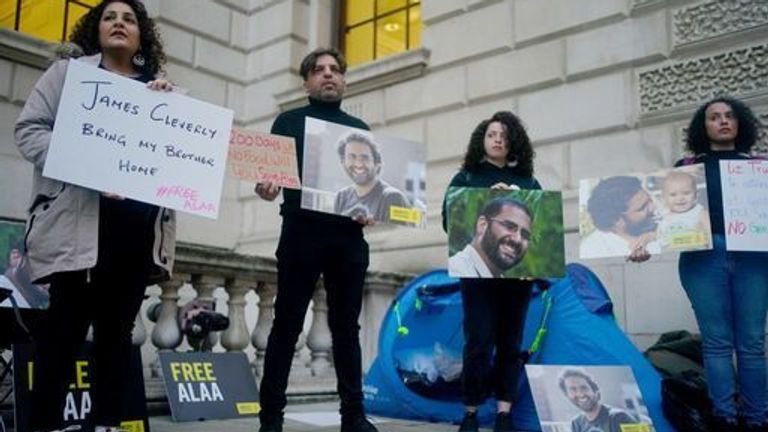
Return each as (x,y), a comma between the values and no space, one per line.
(113,134)
(259,157)
(350,172)
(563,395)
(77,405)
(204,385)
(502,233)
(663,211)
(745,204)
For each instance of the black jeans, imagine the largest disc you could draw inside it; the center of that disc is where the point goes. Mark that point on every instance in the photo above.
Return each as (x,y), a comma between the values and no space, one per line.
(108,296)
(306,250)
(110,304)
(494,316)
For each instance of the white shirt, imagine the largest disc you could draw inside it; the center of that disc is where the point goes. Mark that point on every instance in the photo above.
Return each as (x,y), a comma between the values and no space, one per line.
(601,244)
(468,264)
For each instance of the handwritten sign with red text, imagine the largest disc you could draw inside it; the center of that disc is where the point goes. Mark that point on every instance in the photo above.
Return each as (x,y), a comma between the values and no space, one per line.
(259,158)
(113,134)
(745,204)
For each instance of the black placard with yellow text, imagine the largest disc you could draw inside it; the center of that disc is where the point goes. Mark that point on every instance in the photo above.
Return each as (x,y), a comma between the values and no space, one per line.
(78,405)
(203,386)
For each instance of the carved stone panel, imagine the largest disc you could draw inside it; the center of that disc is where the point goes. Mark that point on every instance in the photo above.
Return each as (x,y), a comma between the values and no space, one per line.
(742,72)
(717,17)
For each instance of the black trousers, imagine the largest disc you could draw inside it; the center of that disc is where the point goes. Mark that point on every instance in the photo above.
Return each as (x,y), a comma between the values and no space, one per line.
(108,296)
(305,251)
(494,317)
(110,304)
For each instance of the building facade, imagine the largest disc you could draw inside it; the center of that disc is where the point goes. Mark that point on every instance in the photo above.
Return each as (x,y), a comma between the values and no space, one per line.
(605,87)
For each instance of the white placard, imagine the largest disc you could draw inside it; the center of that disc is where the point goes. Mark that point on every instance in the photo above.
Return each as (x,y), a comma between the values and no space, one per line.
(113,134)
(745,204)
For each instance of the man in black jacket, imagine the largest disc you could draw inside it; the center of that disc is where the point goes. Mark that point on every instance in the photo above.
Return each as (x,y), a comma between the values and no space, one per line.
(314,243)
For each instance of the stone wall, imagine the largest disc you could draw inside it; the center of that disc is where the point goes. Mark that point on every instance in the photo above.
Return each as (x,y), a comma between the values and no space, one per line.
(604,86)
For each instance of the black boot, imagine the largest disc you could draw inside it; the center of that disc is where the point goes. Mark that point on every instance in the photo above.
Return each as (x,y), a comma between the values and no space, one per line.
(503,423)
(722,424)
(357,423)
(469,423)
(271,424)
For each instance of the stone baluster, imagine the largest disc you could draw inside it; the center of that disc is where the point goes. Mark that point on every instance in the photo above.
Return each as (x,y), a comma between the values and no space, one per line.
(319,338)
(235,337)
(166,335)
(139,332)
(266,292)
(205,286)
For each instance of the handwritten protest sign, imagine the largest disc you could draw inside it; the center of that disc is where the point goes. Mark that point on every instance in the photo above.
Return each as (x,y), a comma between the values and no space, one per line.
(258,157)
(112,134)
(745,204)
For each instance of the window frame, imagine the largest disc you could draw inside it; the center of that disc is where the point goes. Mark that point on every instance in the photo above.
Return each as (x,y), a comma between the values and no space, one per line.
(18,16)
(374,19)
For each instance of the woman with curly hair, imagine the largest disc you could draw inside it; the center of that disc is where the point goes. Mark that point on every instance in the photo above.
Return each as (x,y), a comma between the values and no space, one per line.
(728,290)
(98,251)
(499,156)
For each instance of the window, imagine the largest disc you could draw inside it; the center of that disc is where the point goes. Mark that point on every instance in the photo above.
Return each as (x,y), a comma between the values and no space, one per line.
(51,20)
(373,29)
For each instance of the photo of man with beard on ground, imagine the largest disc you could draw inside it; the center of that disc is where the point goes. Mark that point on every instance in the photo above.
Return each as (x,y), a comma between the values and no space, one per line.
(505,234)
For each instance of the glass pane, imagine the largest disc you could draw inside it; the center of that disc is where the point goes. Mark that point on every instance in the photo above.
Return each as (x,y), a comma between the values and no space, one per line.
(414,29)
(7,13)
(413,2)
(384,6)
(42,18)
(390,35)
(358,11)
(358,44)
(75,13)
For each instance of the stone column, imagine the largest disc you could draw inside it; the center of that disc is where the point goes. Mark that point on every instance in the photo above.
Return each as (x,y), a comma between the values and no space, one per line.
(319,338)
(167,335)
(235,337)
(139,333)
(205,286)
(260,335)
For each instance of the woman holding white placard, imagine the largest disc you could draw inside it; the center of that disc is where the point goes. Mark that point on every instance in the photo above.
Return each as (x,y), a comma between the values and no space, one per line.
(728,289)
(98,251)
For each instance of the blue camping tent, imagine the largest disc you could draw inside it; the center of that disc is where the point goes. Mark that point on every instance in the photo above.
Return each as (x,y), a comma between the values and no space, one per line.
(417,372)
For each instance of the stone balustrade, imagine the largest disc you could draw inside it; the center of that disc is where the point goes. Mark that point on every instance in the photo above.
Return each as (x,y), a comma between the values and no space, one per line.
(249,285)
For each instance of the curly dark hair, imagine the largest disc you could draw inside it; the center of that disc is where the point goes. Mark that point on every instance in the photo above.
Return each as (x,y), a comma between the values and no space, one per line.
(520,154)
(86,35)
(697,140)
(573,372)
(341,146)
(608,201)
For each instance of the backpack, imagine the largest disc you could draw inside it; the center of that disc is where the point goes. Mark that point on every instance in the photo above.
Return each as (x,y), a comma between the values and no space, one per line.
(685,402)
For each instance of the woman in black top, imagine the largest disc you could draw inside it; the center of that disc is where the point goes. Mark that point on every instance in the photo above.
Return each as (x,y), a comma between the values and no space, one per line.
(499,156)
(728,289)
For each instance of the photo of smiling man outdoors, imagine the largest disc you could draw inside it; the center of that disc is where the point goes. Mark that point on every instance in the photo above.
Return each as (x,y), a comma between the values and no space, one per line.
(350,172)
(511,234)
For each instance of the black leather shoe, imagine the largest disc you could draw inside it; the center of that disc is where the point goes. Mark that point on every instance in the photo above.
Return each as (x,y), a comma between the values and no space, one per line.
(752,427)
(357,423)
(503,423)
(469,423)
(271,425)
(722,424)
